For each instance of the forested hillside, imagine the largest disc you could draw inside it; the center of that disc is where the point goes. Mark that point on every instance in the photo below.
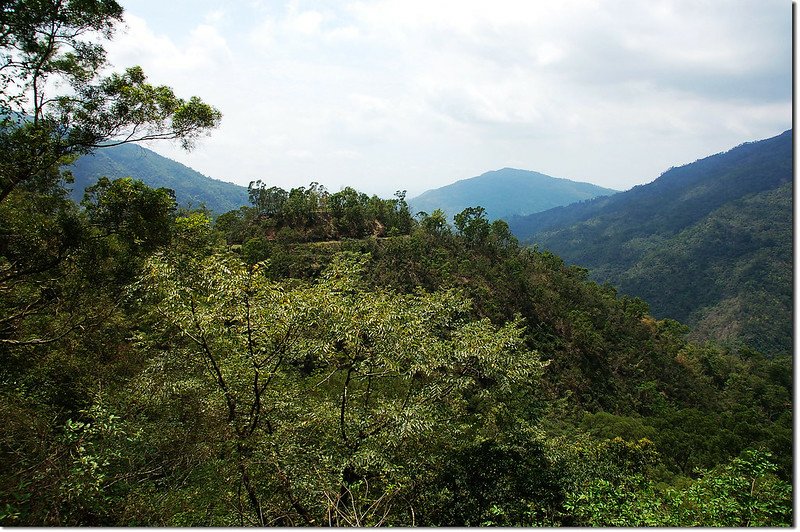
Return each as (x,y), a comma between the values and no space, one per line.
(323,359)
(257,372)
(505,193)
(709,243)
(191,187)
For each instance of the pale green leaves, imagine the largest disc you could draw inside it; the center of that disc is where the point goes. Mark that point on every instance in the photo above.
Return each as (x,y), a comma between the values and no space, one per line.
(125,107)
(332,373)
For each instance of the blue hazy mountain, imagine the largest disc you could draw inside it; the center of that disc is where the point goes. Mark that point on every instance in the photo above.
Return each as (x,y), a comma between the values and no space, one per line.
(505,193)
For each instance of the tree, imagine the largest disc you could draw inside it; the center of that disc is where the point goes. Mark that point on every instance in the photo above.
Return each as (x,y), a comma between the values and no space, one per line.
(349,209)
(399,219)
(744,492)
(332,400)
(137,214)
(613,489)
(267,201)
(434,224)
(303,206)
(473,225)
(500,235)
(47,43)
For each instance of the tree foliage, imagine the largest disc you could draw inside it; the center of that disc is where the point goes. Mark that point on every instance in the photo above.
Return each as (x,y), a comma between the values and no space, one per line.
(326,394)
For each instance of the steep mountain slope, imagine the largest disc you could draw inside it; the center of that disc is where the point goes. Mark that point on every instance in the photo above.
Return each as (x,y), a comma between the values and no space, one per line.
(191,187)
(708,243)
(507,192)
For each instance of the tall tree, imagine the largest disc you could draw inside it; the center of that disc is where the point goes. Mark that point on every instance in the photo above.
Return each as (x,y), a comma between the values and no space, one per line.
(50,43)
(47,46)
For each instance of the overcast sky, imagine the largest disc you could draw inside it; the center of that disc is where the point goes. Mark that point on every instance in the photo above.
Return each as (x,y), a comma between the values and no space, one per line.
(405,94)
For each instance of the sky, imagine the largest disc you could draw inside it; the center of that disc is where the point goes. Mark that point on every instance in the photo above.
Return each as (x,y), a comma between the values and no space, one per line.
(390,95)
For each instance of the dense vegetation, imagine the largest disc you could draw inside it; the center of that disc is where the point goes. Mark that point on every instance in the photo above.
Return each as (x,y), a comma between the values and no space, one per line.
(505,193)
(708,244)
(328,359)
(312,214)
(192,189)
(358,382)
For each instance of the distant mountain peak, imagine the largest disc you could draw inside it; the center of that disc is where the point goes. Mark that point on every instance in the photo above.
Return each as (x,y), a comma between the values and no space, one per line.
(507,192)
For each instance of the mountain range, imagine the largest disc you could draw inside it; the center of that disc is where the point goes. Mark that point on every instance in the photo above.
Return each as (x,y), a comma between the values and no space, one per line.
(505,193)
(192,189)
(708,243)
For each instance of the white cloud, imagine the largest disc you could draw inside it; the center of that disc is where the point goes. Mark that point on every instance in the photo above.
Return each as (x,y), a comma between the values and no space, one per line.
(548,53)
(299,154)
(203,48)
(347,154)
(216,16)
(307,22)
(343,33)
(413,94)
(263,35)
